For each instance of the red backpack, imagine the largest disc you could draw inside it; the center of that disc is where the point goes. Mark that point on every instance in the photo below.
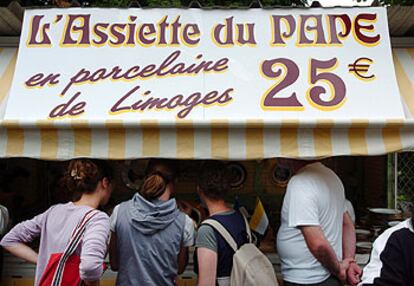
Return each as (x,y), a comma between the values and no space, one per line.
(63,268)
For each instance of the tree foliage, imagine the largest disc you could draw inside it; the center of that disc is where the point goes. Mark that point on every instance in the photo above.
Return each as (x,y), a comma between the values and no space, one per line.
(160,3)
(180,3)
(398,2)
(392,2)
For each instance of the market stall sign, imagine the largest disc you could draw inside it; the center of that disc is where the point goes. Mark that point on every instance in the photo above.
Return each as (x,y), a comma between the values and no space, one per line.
(180,64)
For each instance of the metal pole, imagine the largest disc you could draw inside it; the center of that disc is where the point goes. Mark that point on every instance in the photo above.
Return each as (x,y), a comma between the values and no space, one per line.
(395,179)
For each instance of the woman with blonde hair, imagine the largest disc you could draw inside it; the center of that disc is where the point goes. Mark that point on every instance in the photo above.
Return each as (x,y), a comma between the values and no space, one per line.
(89,182)
(150,236)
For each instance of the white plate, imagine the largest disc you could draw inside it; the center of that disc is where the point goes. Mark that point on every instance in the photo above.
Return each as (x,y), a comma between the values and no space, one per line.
(364,244)
(362,231)
(393,223)
(384,211)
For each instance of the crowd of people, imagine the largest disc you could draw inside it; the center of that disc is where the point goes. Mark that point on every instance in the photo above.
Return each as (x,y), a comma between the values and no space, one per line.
(148,237)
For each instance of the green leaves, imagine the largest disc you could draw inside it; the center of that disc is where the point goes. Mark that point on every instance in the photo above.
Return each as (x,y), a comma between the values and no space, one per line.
(393,2)
(167,3)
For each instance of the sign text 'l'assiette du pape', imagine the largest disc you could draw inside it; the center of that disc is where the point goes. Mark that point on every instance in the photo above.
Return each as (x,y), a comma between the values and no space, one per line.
(175,64)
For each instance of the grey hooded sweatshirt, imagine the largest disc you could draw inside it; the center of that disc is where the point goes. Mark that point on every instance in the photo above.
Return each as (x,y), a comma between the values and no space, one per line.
(149,239)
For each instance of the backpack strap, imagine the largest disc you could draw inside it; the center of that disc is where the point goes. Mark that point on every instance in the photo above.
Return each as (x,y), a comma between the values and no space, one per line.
(182,216)
(248,231)
(74,242)
(223,232)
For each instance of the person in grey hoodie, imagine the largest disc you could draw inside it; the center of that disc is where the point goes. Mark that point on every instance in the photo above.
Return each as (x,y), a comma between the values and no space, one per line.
(150,236)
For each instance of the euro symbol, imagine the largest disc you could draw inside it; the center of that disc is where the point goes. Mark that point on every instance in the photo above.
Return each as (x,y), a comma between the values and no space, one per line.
(360,68)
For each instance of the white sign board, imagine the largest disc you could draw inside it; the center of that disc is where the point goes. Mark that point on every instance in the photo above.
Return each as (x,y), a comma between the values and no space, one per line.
(175,64)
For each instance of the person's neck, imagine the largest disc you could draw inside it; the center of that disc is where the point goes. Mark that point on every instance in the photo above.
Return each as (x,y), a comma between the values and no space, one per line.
(165,196)
(90,200)
(215,207)
(300,165)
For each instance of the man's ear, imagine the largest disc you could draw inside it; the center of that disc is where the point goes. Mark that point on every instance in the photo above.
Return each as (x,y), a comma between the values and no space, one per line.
(105,182)
(200,192)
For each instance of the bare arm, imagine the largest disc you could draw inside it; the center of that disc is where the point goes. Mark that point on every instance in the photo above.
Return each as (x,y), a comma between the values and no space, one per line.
(323,251)
(22,251)
(113,252)
(15,240)
(348,237)
(348,249)
(182,259)
(207,265)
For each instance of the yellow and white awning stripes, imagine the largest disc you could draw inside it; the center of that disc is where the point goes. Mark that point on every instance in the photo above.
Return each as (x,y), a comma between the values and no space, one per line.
(220,140)
(8,58)
(404,69)
(215,142)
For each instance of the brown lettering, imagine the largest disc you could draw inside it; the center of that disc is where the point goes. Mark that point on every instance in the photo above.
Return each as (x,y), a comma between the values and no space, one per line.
(334,35)
(278,36)
(72,27)
(116,108)
(192,37)
(319,37)
(41,80)
(241,34)
(147,34)
(102,36)
(174,34)
(80,77)
(66,109)
(365,17)
(117,35)
(38,31)
(227,28)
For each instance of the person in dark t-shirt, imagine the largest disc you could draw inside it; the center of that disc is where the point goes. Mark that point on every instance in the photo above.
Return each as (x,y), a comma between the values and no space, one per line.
(214,255)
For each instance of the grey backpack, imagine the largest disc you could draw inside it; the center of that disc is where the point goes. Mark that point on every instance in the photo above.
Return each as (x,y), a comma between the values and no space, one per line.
(250,266)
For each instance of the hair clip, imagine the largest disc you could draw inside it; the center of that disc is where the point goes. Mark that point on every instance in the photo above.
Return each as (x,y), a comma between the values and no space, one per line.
(74,174)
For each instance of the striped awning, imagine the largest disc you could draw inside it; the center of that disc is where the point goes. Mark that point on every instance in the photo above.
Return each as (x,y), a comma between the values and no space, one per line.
(220,140)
